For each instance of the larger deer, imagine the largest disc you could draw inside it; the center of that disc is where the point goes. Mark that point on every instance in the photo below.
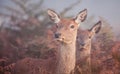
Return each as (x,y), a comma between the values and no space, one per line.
(84,50)
(66,34)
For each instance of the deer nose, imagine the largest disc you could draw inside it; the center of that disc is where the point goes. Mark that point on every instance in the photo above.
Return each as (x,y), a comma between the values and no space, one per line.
(82,44)
(57,35)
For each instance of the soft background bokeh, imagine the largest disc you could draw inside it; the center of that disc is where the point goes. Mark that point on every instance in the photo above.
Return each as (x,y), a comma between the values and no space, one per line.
(26,31)
(107,9)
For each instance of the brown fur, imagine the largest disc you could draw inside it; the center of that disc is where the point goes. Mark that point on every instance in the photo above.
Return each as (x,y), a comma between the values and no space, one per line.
(83,53)
(64,63)
(83,65)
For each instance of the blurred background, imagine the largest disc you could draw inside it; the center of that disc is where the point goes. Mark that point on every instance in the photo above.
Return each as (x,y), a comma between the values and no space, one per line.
(26,31)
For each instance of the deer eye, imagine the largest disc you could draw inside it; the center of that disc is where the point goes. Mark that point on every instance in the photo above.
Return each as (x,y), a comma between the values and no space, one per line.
(89,37)
(72,26)
(56,26)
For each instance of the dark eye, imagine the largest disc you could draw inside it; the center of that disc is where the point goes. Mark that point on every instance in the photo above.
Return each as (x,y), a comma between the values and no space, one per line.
(72,26)
(56,26)
(89,37)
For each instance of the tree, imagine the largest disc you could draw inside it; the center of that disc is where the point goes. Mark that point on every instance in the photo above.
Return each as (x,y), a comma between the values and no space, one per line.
(24,8)
(106,36)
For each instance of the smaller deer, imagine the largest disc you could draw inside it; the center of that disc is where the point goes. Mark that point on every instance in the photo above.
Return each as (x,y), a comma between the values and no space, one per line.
(84,49)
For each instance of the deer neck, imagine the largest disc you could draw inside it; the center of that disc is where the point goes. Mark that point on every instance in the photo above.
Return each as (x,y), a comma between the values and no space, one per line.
(66,58)
(89,47)
(83,53)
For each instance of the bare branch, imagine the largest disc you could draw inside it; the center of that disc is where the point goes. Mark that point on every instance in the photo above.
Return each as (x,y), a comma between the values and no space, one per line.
(11,9)
(39,13)
(4,15)
(69,8)
(24,1)
(9,15)
(21,5)
(38,5)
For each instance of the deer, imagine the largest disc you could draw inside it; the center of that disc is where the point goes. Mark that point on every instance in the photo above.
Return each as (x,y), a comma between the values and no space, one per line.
(65,34)
(83,54)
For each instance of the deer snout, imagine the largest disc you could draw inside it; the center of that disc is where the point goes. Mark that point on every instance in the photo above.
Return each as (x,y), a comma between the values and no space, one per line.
(82,44)
(57,35)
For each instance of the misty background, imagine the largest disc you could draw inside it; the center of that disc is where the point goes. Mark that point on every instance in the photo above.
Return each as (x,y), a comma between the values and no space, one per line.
(26,31)
(107,9)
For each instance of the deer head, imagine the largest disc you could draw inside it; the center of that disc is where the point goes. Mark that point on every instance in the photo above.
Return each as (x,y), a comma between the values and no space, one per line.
(85,36)
(66,28)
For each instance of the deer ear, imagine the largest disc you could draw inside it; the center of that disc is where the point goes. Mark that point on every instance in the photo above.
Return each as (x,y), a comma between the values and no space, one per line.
(53,16)
(96,28)
(81,16)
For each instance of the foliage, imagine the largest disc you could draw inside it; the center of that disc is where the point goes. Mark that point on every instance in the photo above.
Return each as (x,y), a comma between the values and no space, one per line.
(106,36)
(30,36)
